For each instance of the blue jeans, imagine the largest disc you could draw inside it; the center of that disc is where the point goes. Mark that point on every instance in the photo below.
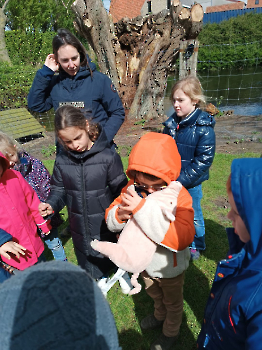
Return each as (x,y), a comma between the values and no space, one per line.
(55,245)
(199,239)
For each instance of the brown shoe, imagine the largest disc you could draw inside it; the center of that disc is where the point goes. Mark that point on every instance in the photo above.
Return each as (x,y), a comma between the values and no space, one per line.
(150,322)
(163,342)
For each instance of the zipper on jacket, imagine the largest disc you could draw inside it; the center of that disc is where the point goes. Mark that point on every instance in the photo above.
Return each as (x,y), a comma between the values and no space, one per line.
(229,315)
(84,201)
(218,294)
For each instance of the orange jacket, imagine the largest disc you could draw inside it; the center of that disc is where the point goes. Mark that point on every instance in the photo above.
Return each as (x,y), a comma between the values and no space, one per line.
(157,154)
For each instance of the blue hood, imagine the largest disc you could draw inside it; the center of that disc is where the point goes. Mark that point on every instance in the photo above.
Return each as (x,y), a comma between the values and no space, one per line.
(246,185)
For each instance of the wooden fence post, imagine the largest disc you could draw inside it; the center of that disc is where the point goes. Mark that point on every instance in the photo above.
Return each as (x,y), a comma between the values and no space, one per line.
(187,62)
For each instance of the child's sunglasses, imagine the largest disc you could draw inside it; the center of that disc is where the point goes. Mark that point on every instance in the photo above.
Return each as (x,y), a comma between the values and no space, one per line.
(146,188)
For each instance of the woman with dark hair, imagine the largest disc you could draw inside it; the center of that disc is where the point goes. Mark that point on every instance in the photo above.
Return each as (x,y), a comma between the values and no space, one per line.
(77,83)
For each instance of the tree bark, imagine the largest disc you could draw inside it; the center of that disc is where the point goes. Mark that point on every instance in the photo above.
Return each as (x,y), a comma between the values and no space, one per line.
(139,53)
(93,23)
(4,56)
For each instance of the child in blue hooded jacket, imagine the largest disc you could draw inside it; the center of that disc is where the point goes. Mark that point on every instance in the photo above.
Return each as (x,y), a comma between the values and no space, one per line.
(233,315)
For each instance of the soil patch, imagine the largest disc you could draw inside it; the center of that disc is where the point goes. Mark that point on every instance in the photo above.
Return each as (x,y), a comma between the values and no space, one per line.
(234,134)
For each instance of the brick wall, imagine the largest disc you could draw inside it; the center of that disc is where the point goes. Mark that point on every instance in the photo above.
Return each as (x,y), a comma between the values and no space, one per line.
(254,3)
(125,8)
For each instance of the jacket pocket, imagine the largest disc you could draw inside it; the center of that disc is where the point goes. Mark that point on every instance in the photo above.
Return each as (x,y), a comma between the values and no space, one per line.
(105,199)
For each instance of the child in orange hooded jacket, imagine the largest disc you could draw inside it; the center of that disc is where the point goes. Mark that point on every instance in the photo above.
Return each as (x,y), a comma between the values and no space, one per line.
(153,163)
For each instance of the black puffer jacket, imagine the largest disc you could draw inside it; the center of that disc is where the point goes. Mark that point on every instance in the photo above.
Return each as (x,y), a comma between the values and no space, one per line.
(87,183)
(196,143)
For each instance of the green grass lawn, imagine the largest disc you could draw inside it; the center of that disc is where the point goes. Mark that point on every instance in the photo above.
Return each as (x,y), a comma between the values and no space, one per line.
(128,311)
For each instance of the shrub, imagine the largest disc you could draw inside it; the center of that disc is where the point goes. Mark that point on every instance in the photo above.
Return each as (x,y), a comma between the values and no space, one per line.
(232,43)
(28,47)
(15,83)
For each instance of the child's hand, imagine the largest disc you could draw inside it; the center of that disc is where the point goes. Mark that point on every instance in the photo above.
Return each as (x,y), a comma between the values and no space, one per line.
(45,233)
(123,214)
(45,209)
(130,200)
(11,247)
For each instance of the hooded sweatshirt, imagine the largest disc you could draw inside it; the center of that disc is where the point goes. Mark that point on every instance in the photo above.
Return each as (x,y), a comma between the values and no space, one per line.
(19,217)
(157,154)
(233,315)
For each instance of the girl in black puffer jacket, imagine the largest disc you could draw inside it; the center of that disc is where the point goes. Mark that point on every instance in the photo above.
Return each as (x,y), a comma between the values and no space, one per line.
(87,177)
(193,130)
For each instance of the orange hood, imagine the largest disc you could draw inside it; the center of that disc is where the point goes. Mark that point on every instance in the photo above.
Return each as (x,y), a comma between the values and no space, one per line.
(155,154)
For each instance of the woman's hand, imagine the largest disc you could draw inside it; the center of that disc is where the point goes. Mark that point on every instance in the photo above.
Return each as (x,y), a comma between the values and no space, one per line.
(51,63)
(11,247)
(45,209)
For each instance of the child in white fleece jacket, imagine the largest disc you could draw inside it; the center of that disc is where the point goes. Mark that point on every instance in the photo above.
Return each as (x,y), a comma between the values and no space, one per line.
(164,276)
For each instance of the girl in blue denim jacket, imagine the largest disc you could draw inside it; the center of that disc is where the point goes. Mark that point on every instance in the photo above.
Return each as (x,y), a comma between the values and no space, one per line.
(193,131)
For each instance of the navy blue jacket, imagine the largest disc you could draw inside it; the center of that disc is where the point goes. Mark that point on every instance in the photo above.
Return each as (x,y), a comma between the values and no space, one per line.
(87,183)
(96,94)
(196,143)
(233,315)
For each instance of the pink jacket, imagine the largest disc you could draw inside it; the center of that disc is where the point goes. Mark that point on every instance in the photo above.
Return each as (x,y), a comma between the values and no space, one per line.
(19,216)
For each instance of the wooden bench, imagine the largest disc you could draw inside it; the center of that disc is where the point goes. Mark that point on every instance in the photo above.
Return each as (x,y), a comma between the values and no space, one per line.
(19,123)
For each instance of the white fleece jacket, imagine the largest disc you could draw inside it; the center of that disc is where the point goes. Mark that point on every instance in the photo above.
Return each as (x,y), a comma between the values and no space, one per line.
(155,222)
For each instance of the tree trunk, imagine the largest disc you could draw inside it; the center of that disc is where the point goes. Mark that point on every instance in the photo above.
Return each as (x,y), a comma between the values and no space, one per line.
(4,57)
(139,53)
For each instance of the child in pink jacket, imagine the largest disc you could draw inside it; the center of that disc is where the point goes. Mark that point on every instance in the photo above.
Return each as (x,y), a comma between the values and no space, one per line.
(20,245)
